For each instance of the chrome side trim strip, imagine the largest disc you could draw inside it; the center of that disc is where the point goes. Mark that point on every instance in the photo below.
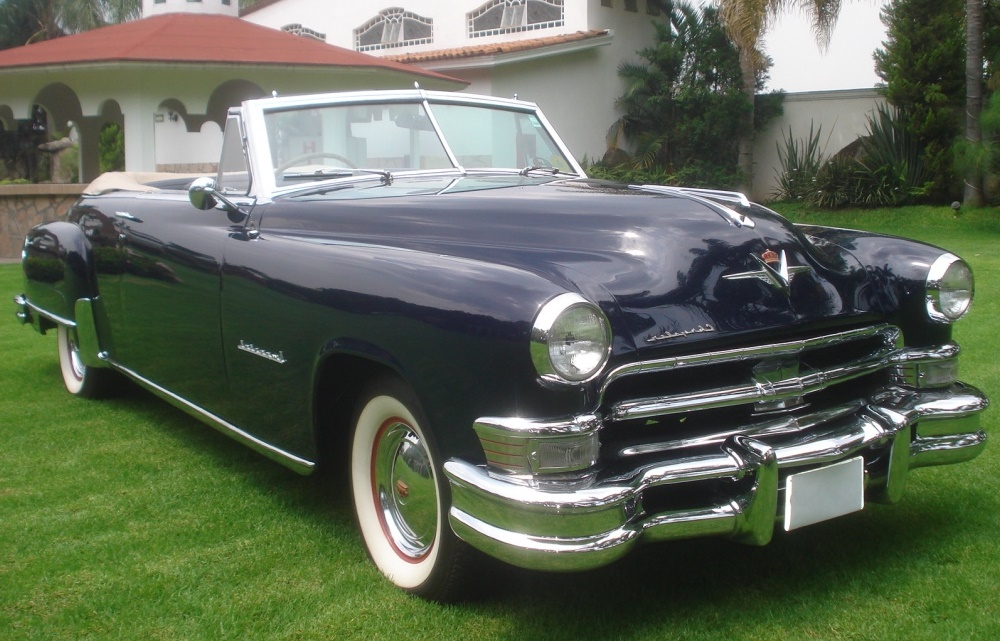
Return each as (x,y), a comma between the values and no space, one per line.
(709,198)
(296,463)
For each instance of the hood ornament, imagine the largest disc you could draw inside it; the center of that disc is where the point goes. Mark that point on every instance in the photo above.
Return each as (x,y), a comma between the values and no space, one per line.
(775,271)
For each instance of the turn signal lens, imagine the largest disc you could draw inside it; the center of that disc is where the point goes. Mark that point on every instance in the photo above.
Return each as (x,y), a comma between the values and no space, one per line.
(565,454)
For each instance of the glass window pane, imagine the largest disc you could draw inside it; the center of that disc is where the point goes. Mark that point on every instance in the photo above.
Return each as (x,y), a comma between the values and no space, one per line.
(321,143)
(234,176)
(482,137)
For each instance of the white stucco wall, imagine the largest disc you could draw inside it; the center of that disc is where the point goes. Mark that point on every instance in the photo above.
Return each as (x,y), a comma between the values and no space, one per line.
(840,116)
(338,19)
(223,7)
(576,90)
(175,145)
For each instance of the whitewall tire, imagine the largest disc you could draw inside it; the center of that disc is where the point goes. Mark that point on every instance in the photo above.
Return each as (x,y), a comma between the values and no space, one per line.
(78,378)
(399,495)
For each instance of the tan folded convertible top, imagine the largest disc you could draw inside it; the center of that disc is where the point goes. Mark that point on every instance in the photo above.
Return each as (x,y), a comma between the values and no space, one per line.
(130,181)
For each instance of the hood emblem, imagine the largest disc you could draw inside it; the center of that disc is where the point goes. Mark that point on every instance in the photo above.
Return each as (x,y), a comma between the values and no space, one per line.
(775,271)
(666,335)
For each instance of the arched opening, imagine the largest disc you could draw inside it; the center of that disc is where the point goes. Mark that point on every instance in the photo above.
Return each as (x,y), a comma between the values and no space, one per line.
(8,141)
(185,143)
(111,138)
(61,104)
(111,147)
(20,156)
(230,94)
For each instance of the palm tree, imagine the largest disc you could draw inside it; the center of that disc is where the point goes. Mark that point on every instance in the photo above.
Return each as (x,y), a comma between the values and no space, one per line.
(25,21)
(973,96)
(747,21)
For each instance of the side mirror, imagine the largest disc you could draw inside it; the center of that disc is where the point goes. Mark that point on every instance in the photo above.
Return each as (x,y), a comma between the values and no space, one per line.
(203,193)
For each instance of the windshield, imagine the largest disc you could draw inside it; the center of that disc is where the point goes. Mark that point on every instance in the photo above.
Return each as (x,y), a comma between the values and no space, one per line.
(320,143)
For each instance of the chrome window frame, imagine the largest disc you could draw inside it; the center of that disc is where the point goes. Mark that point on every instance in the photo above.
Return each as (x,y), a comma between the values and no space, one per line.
(254,112)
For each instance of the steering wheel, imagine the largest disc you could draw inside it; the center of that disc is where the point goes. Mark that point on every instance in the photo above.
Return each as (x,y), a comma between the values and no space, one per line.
(298,160)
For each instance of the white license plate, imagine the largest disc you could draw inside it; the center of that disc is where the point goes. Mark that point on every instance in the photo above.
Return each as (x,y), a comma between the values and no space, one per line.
(824,493)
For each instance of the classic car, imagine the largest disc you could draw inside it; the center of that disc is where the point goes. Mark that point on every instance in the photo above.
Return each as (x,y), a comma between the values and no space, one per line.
(425,291)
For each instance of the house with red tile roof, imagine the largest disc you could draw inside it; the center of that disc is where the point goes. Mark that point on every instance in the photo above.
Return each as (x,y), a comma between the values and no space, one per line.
(169,78)
(561,54)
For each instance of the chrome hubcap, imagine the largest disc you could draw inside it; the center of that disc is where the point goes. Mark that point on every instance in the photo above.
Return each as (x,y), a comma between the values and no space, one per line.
(404,489)
(79,369)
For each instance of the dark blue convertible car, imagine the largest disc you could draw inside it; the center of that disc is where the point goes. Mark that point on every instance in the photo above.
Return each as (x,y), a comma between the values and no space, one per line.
(425,290)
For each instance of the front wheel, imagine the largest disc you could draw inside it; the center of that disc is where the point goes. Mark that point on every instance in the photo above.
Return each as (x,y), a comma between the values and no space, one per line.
(400,495)
(79,379)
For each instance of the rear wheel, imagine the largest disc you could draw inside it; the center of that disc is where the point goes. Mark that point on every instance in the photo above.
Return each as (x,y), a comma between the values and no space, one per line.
(400,495)
(79,379)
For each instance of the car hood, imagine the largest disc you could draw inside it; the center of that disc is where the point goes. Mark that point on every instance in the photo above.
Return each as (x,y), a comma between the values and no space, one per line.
(667,267)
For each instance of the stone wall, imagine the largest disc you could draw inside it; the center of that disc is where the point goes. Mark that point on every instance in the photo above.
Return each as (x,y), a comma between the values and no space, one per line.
(24,206)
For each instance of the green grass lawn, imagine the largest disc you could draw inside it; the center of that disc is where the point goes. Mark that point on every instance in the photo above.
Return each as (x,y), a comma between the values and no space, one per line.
(125,519)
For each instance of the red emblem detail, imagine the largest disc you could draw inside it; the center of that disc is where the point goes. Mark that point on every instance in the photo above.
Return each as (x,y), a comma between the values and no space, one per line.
(770,256)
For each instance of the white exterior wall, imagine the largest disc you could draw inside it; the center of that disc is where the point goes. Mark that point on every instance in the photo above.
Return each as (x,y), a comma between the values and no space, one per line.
(338,19)
(175,145)
(842,115)
(575,89)
(154,8)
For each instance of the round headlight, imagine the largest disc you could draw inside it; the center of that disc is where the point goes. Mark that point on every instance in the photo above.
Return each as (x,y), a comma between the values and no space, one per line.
(949,289)
(570,340)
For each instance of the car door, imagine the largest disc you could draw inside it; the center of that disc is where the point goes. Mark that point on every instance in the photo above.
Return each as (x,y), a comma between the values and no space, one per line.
(169,296)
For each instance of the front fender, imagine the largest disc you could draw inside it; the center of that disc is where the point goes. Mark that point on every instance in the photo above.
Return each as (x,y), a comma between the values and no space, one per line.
(897,271)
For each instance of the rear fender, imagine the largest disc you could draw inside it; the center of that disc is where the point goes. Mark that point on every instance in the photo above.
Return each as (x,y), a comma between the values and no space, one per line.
(60,286)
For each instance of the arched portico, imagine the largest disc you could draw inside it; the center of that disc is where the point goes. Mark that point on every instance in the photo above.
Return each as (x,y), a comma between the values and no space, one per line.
(168,77)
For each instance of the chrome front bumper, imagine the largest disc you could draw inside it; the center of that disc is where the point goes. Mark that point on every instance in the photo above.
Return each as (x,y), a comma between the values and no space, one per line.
(577,528)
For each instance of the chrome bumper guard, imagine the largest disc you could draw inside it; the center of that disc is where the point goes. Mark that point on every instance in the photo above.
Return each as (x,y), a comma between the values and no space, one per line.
(24,309)
(577,528)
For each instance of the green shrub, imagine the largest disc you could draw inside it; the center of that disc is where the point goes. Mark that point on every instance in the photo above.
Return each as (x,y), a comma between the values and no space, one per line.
(887,172)
(631,175)
(800,164)
(837,184)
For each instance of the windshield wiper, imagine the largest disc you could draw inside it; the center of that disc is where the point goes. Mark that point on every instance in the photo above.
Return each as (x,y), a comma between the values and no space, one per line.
(549,170)
(326,174)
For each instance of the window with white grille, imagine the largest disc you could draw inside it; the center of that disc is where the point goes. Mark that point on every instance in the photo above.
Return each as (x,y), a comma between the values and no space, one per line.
(393,27)
(507,16)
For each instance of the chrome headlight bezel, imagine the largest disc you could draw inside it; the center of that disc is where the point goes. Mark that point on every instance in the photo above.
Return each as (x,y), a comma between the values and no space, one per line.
(592,351)
(949,288)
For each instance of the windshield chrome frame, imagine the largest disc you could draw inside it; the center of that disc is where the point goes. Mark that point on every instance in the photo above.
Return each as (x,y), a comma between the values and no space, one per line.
(266,189)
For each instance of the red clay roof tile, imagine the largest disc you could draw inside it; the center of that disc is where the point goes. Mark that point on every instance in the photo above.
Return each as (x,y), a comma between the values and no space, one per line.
(496,48)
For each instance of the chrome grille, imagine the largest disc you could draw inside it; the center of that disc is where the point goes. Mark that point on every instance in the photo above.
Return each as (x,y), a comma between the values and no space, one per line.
(773,377)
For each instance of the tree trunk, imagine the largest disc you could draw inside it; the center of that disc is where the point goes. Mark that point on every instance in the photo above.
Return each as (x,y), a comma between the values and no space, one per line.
(745,160)
(973,196)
